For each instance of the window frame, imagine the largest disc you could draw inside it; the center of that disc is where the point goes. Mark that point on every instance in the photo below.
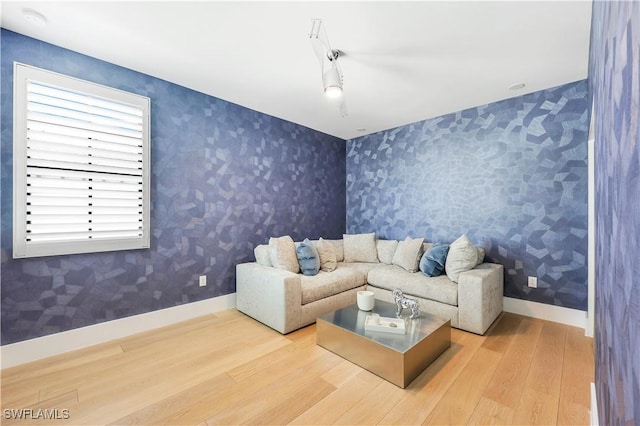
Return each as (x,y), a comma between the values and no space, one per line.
(21,247)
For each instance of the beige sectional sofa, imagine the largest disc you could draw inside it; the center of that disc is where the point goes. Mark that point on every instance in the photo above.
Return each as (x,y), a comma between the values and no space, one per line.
(286,301)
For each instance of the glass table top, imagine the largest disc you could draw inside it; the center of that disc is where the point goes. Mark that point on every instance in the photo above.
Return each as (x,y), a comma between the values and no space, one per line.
(352,319)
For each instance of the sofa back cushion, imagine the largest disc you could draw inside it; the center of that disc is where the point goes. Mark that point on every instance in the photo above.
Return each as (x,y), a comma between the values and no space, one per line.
(360,248)
(386,249)
(282,252)
(408,253)
(338,247)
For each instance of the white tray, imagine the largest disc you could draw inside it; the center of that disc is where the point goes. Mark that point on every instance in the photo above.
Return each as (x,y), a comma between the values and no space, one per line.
(385,325)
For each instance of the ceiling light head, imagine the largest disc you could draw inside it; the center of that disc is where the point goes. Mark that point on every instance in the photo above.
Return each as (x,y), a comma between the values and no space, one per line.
(332,83)
(34,18)
(517,86)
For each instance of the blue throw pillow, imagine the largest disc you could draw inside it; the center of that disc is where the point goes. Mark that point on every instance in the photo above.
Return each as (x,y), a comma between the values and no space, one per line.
(308,258)
(433,260)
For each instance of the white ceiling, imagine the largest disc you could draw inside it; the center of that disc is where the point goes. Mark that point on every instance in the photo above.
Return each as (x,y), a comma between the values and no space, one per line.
(404,61)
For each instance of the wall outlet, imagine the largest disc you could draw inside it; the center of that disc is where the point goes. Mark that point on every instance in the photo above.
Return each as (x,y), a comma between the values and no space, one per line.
(532,282)
(203,280)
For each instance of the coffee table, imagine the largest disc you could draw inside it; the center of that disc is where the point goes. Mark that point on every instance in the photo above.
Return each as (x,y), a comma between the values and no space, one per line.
(397,358)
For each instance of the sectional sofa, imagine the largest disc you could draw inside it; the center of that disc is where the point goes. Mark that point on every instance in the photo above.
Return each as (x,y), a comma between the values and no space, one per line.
(285,300)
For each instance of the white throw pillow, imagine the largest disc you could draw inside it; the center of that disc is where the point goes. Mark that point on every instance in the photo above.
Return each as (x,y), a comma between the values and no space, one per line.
(263,257)
(282,252)
(360,248)
(462,257)
(327,254)
(408,254)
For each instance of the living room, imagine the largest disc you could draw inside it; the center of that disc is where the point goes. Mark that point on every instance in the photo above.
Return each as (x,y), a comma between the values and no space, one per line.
(512,174)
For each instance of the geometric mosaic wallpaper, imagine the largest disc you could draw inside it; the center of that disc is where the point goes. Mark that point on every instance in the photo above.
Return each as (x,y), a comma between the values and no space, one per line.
(512,175)
(224,178)
(615,84)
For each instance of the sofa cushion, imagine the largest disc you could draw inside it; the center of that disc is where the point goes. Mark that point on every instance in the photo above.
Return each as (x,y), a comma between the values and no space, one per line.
(386,249)
(282,251)
(308,258)
(360,248)
(338,247)
(462,257)
(480,255)
(408,253)
(440,289)
(433,260)
(262,255)
(363,267)
(327,255)
(326,284)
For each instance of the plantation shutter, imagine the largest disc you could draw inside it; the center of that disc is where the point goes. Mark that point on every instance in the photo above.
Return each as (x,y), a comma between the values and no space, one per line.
(86,185)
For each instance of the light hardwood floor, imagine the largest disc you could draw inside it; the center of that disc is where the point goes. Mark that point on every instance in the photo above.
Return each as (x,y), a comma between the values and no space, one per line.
(226,368)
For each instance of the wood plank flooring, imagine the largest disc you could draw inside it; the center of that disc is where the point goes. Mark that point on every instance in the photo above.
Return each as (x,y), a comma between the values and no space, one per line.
(226,368)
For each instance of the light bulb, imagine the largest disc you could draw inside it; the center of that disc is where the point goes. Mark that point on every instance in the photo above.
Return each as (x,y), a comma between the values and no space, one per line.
(333,92)
(332,83)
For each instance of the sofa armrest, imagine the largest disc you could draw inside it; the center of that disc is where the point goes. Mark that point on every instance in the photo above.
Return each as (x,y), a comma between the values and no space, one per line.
(480,295)
(269,295)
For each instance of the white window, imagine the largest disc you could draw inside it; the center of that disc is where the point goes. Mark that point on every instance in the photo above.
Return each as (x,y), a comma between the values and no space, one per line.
(80,166)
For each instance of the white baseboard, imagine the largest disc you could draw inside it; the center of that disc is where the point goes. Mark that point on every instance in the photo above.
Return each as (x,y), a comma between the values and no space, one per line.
(55,344)
(589,329)
(568,316)
(595,421)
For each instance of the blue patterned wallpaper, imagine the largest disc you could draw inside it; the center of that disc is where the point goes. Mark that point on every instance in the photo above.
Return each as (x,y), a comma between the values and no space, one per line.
(224,178)
(512,175)
(615,85)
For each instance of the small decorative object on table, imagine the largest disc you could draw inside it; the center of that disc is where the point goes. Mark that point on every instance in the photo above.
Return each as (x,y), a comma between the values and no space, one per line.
(403,302)
(366,300)
(375,322)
